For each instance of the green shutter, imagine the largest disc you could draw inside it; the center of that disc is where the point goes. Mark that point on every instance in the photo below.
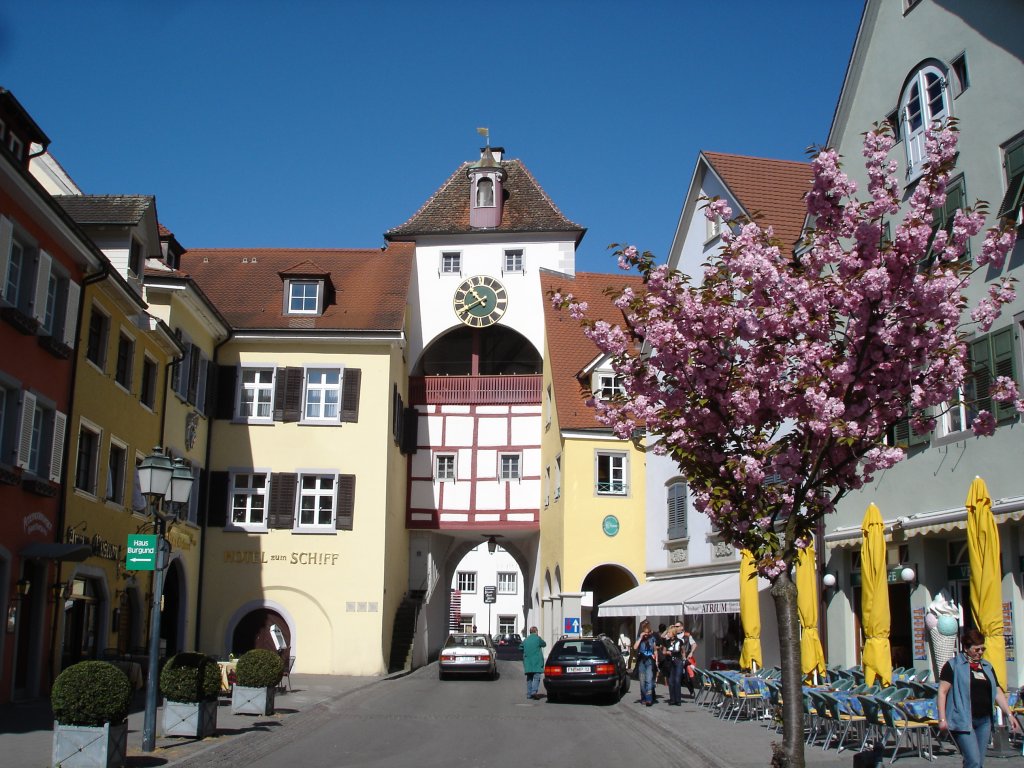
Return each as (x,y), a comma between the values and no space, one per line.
(1004,364)
(981,370)
(1014,196)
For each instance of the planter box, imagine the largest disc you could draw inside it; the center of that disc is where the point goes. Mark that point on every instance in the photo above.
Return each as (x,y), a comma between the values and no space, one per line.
(252,701)
(195,719)
(84,746)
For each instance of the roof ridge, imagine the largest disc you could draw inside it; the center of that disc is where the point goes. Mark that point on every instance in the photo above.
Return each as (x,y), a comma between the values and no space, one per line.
(709,154)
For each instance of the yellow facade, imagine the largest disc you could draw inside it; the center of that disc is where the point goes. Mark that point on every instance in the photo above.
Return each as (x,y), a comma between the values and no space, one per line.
(336,590)
(576,539)
(115,421)
(186,428)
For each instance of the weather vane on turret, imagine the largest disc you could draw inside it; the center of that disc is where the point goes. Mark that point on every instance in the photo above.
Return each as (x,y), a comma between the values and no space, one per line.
(486,133)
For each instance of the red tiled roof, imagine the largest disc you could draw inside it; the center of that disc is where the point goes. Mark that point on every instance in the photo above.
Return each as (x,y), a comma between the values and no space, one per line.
(526,208)
(569,351)
(370,286)
(775,188)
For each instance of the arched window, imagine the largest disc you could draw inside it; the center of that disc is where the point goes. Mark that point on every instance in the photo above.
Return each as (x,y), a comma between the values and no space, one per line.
(925,103)
(677,510)
(485,193)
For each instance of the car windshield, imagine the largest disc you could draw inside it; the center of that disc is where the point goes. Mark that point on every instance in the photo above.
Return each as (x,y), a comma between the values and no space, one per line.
(467,641)
(579,649)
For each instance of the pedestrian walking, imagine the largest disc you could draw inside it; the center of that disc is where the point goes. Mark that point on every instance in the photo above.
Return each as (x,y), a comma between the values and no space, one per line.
(688,647)
(646,649)
(533,662)
(625,647)
(968,693)
(677,667)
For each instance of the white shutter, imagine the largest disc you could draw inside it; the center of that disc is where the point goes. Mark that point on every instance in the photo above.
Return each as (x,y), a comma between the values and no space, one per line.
(71,315)
(60,428)
(6,235)
(42,285)
(28,413)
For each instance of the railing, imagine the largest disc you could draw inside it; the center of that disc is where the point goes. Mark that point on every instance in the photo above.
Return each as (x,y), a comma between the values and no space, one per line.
(475,390)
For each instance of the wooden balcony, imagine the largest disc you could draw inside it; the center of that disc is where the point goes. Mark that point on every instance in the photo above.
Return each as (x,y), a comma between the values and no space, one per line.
(475,390)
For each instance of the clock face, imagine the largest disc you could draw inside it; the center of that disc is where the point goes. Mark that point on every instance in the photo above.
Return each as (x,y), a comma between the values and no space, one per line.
(480,301)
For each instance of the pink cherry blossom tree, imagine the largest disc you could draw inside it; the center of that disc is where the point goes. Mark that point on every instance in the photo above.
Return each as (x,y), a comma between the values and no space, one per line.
(774,379)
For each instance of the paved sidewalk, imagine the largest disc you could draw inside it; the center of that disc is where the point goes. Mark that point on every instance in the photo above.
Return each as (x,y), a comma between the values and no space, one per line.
(710,741)
(26,730)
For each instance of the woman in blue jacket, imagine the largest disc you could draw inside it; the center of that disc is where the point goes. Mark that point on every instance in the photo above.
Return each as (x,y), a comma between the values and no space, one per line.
(968,693)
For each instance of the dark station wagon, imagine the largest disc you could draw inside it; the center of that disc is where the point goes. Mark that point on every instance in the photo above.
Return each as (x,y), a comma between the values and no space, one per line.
(585,666)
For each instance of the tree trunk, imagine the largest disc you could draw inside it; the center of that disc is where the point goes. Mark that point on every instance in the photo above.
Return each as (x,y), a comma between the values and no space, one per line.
(784,595)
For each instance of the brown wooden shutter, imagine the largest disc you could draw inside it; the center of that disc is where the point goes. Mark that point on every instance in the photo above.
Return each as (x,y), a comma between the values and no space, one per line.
(410,430)
(288,394)
(350,394)
(217,500)
(226,384)
(346,502)
(282,500)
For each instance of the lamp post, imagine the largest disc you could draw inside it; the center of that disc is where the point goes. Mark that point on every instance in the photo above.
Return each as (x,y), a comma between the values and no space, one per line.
(161,481)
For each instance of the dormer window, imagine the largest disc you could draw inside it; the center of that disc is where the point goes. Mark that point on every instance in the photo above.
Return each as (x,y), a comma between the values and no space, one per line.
(304,297)
(15,145)
(608,385)
(135,259)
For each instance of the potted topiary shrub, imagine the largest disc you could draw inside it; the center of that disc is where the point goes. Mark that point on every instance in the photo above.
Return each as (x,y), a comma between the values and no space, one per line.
(190,683)
(90,703)
(256,678)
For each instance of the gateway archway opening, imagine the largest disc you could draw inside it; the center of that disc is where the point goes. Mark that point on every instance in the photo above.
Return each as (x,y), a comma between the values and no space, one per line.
(603,583)
(480,577)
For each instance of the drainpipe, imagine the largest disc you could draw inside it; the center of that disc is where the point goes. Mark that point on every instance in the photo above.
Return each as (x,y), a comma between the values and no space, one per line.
(62,509)
(206,498)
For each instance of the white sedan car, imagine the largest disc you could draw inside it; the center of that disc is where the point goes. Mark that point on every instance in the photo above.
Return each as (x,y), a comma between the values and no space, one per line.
(466,653)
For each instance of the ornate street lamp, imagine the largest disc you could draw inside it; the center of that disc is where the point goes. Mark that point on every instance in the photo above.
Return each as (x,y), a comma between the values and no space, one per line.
(162,481)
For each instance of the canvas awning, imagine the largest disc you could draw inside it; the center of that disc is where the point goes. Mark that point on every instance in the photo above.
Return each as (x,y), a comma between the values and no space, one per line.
(691,595)
(48,550)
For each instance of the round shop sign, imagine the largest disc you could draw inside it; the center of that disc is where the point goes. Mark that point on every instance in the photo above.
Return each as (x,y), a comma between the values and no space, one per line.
(610,525)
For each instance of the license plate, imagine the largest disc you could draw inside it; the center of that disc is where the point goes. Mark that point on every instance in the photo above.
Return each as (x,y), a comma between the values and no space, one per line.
(570,670)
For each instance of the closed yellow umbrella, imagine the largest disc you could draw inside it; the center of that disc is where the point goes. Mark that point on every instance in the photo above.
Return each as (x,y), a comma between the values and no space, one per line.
(874,599)
(986,576)
(812,657)
(750,613)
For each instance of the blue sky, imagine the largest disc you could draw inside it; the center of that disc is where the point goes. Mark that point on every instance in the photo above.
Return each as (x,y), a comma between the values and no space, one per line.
(322,124)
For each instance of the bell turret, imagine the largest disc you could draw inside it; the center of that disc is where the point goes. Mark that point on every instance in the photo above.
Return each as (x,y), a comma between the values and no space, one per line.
(485,189)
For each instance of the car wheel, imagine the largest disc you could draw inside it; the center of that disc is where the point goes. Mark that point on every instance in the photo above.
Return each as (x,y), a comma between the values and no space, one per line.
(625,685)
(553,697)
(494,673)
(441,674)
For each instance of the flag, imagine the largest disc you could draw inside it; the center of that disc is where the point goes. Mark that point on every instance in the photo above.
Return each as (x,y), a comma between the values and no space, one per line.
(485,132)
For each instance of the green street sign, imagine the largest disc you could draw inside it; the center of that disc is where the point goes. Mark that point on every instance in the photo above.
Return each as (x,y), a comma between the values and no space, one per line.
(141,553)
(610,525)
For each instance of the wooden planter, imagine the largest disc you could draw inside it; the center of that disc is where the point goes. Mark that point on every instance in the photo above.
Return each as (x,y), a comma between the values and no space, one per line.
(252,701)
(195,719)
(84,746)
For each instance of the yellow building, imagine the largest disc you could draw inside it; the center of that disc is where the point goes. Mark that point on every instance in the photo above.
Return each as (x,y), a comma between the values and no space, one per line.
(593,518)
(116,416)
(306,547)
(178,302)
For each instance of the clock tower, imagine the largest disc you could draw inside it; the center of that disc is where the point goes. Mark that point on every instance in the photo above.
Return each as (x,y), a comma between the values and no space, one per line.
(475,388)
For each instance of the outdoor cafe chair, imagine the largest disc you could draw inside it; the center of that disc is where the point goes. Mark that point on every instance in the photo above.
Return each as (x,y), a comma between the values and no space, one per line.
(845,716)
(900,726)
(812,719)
